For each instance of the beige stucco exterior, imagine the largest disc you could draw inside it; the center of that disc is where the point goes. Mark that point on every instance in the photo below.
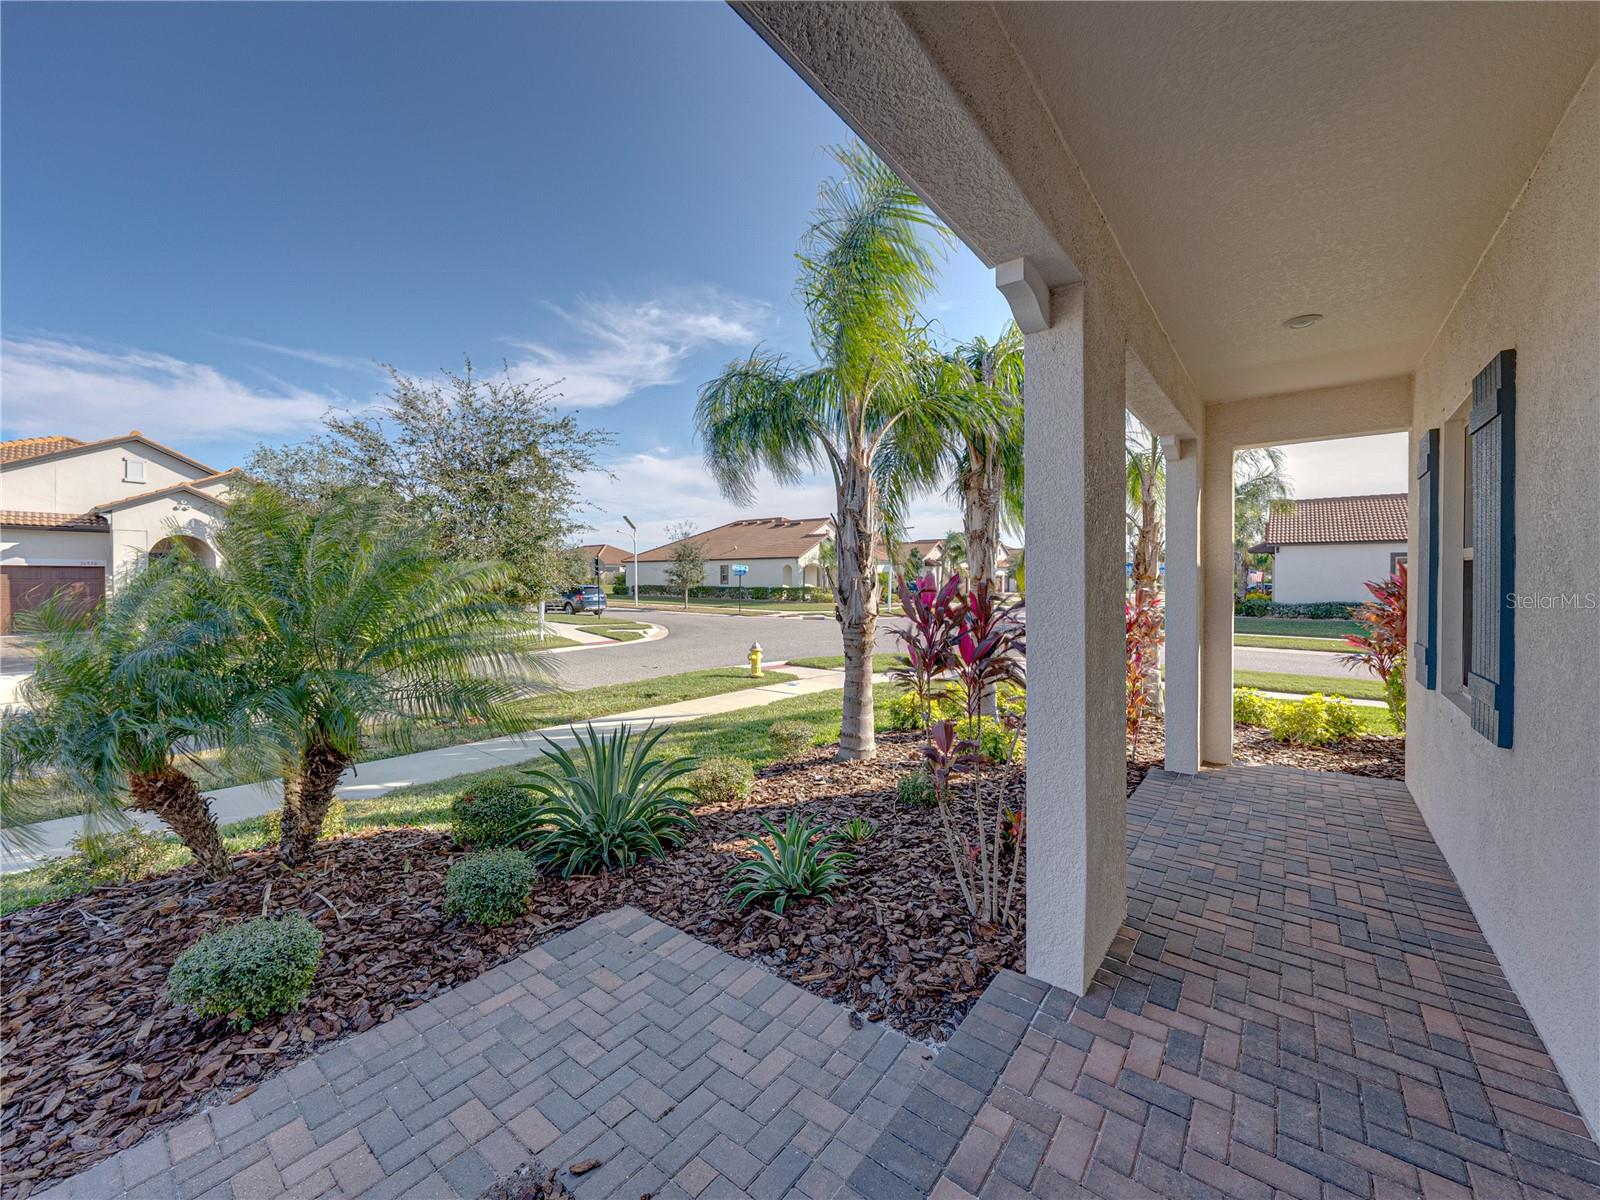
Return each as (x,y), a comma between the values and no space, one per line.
(1326,571)
(76,482)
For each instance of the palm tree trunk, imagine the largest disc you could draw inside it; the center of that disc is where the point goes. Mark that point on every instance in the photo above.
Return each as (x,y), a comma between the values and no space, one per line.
(175,798)
(1146,580)
(306,799)
(857,598)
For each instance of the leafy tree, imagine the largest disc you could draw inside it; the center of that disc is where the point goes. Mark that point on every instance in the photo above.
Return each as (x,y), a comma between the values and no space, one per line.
(347,628)
(828,560)
(487,466)
(1260,488)
(861,410)
(688,566)
(118,697)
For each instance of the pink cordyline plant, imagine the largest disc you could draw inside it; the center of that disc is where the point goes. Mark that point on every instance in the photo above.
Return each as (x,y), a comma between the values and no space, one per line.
(933,621)
(1381,646)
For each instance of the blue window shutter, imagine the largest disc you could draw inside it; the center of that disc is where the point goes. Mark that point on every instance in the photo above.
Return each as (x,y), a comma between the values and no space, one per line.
(1425,581)
(1492,428)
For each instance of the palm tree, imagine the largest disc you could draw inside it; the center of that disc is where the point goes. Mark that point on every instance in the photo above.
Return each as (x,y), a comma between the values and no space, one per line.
(952,552)
(982,450)
(1260,488)
(865,264)
(828,560)
(1146,497)
(351,629)
(117,698)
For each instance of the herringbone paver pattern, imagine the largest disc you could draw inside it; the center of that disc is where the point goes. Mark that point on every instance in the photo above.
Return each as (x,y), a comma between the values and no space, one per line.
(1300,1005)
(687,1072)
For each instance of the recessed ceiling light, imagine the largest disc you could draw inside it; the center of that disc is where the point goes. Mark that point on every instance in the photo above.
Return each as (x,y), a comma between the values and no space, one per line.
(1303,321)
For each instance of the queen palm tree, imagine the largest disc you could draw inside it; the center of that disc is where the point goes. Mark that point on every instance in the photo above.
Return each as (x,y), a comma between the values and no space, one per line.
(118,700)
(1146,500)
(1260,488)
(866,262)
(351,629)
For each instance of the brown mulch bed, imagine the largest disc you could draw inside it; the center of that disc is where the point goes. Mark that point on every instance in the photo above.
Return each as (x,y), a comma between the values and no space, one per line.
(1378,756)
(531,1181)
(96,1056)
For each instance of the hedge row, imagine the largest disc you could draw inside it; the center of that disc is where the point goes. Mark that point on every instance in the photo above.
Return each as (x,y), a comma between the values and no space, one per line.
(1330,610)
(796,594)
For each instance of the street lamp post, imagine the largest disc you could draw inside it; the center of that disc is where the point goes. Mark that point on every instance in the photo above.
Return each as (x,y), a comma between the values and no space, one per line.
(634,530)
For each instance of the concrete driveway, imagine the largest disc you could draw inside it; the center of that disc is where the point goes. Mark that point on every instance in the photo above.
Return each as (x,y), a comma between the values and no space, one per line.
(697,640)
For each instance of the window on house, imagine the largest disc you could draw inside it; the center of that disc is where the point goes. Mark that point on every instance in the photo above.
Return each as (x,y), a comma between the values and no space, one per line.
(132,470)
(722,574)
(1396,557)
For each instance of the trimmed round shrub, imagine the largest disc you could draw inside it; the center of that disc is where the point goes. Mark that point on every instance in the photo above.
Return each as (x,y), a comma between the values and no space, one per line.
(721,781)
(1302,722)
(1343,718)
(788,738)
(333,825)
(995,742)
(490,815)
(490,887)
(915,788)
(248,971)
(904,711)
(1250,707)
(108,858)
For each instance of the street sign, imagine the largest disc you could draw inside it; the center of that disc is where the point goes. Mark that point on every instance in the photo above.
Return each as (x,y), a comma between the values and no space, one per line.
(740,569)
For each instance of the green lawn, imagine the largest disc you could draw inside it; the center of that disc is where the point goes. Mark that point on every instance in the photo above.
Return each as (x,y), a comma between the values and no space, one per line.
(535,712)
(618,629)
(1289,627)
(880,662)
(1329,645)
(1357,687)
(736,734)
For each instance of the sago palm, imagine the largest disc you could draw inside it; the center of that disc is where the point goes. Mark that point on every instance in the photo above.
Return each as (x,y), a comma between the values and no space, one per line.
(117,699)
(350,628)
(860,411)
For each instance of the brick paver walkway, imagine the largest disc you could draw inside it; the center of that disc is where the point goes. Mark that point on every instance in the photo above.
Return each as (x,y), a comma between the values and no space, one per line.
(686,1071)
(1300,1005)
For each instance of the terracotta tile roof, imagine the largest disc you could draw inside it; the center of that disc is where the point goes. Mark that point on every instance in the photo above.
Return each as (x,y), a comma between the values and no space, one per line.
(1329,519)
(19,449)
(70,522)
(610,555)
(64,445)
(758,537)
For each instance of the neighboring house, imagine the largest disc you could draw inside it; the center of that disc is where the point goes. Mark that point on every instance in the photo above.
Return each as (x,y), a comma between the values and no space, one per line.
(780,552)
(1327,548)
(612,560)
(78,516)
(932,551)
(1256,225)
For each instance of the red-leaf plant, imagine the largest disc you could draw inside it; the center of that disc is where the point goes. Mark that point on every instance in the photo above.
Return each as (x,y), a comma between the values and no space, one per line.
(933,623)
(1381,647)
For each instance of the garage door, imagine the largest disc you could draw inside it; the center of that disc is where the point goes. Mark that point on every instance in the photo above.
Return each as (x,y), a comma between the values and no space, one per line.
(23,589)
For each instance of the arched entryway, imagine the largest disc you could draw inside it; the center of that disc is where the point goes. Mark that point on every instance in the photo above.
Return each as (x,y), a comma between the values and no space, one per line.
(203,553)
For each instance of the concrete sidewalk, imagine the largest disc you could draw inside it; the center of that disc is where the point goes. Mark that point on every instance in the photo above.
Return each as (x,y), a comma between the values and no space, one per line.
(369,780)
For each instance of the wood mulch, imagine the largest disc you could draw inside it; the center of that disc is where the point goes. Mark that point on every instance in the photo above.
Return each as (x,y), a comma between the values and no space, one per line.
(96,1056)
(1378,756)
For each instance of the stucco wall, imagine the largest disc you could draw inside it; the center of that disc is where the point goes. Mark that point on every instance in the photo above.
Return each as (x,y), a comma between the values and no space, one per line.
(75,483)
(54,548)
(140,526)
(1521,827)
(764,572)
(1310,574)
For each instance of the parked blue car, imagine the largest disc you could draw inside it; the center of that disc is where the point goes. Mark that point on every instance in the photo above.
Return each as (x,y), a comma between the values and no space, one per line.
(588,598)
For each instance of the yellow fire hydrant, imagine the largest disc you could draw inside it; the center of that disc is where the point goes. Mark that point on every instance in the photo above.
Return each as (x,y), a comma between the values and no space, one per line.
(755,660)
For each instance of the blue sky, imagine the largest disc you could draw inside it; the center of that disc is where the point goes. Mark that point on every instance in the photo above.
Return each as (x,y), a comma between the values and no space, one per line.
(218,218)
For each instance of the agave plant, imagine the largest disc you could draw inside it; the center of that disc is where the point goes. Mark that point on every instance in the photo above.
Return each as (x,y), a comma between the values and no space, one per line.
(857,830)
(609,804)
(801,864)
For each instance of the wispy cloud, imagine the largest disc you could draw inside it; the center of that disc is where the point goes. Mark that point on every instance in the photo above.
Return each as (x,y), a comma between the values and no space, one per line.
(53,385)
(615,348)
(338,362)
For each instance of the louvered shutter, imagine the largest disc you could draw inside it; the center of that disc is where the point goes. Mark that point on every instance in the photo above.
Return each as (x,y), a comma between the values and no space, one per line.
(1494,542)
(1425,580)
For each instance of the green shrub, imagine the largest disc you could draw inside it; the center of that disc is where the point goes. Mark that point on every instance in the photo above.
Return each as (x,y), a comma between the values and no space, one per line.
(788,738)
(333,825)
(619,586)
(108,858)
(995,742)
(609,805)
(1250,707)
(915,788)
(904,711)
(1326,611)
(248,971)
(1302,722)
(490,815)
(721,780)
(490,887)
(802,863)
(1395,694)
(1343,719)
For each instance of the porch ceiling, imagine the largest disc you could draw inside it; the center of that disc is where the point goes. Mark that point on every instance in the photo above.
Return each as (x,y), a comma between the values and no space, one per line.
(1261,161)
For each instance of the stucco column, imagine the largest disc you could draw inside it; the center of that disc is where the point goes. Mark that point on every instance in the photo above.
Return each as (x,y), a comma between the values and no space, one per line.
(1073,403)
(1183,605)
(1216,573)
